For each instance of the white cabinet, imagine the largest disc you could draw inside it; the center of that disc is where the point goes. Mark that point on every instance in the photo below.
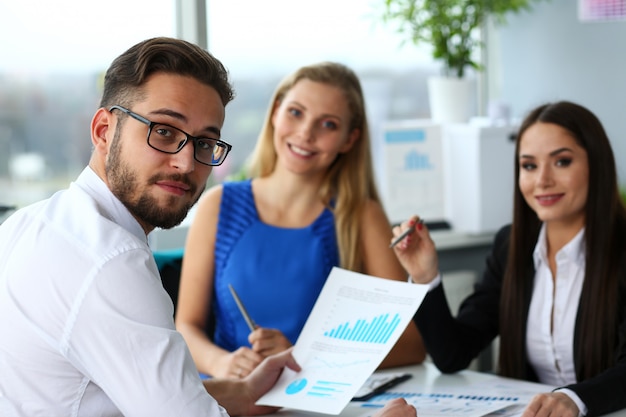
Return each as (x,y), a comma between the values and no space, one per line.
(479,176)
(458,173)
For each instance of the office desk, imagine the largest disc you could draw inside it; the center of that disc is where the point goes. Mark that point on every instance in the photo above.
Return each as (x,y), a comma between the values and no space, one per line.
(427,379)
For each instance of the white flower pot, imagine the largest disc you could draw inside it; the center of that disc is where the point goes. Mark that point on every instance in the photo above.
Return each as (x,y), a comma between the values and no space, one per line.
(450,99)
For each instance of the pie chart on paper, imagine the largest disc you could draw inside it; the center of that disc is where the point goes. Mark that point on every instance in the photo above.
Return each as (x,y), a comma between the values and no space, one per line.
(296,386)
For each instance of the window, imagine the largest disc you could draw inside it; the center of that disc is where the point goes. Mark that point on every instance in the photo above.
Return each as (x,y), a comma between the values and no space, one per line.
(260,42)
(50,75)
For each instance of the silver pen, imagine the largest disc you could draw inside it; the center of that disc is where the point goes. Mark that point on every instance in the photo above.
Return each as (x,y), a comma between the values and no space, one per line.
(405,234)
(251,324)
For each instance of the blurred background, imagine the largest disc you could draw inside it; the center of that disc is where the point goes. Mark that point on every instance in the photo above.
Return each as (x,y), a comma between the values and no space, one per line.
(53,56)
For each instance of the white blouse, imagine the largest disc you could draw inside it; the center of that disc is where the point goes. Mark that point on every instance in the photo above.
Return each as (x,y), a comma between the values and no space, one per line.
(553,309)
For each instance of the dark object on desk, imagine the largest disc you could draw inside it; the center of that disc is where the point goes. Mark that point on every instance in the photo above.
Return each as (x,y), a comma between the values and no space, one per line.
(377,384)
(438,225)
(434,225)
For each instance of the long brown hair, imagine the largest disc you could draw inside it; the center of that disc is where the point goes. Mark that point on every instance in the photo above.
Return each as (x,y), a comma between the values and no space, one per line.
(349,181)
(605,231)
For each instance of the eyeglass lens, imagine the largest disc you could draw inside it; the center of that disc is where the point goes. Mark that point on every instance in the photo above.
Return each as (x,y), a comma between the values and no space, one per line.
(170,139)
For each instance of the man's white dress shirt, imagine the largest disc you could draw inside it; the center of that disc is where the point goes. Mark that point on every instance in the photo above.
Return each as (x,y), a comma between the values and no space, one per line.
(86,328)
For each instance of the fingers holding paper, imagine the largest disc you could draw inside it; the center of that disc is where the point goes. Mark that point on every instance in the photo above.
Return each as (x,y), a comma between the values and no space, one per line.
(416,251)
(264,377)
(239,396)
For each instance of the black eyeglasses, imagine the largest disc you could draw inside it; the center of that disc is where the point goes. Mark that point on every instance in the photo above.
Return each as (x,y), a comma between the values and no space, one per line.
(169,139)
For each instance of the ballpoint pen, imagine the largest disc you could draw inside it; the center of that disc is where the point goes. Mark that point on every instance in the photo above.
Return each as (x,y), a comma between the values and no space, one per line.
(251,324)
(405,234)
(377,384)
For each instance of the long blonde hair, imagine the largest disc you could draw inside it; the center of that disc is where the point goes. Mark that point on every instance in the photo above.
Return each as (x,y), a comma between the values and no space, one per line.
(349,181)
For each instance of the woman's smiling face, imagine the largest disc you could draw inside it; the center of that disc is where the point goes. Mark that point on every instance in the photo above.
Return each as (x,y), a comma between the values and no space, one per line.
(312,126)
(554,174)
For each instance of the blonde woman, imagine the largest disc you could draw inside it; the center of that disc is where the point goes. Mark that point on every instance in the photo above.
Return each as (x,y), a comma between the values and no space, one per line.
(311,204)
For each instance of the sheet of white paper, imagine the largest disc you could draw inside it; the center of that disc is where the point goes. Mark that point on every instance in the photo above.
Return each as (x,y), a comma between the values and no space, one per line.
(495,397)
(442,404)
(354,323)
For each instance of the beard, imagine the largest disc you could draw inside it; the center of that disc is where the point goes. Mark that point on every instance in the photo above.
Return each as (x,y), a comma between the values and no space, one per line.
(125,186)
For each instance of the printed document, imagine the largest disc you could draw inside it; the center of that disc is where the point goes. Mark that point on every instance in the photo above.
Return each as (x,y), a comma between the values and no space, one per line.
(492,397)
(354,323)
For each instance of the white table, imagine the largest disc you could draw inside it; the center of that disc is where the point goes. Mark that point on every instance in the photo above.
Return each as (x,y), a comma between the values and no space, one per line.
(427,379)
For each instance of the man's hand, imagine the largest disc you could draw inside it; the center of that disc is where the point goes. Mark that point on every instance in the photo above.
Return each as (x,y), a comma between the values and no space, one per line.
(553,404)
(262,379)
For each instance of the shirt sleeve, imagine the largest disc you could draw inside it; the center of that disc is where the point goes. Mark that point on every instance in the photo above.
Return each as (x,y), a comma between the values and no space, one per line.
(582,408)
(122,337)
(432,284)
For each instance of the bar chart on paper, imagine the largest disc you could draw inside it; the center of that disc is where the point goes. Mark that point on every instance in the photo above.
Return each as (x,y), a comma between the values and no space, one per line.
(376,330)
(354,323)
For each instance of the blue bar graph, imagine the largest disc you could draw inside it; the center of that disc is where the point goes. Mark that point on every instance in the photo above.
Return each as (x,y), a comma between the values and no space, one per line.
(378,330)
(414,160)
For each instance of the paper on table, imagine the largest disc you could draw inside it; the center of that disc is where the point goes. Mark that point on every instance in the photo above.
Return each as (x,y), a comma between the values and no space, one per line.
(494,397)
(354,323)
(443,404)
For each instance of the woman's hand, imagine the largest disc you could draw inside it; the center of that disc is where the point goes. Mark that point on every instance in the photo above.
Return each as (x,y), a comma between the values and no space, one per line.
(397,407)
(417,252)
(237,364)
(553,404)
(268,342)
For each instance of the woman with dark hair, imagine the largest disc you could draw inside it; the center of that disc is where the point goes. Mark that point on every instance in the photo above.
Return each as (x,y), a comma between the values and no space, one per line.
(554,285)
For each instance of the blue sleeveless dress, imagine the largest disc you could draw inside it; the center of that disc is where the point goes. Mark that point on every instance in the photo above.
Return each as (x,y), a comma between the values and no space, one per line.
(277,272)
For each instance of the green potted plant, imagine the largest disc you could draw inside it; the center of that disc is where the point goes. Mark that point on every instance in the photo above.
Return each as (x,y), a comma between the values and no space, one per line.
(451,27)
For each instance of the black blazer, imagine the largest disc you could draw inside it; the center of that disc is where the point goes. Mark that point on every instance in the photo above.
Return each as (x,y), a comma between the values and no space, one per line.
(454,342)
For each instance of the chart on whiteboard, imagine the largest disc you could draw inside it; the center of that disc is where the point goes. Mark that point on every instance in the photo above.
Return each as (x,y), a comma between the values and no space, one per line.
(355,321)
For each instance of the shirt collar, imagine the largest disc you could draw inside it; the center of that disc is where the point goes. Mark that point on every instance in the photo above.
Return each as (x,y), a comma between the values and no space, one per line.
(574,250)
(111,207)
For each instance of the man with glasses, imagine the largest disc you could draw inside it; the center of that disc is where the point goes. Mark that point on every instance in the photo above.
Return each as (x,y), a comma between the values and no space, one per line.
(86,328)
